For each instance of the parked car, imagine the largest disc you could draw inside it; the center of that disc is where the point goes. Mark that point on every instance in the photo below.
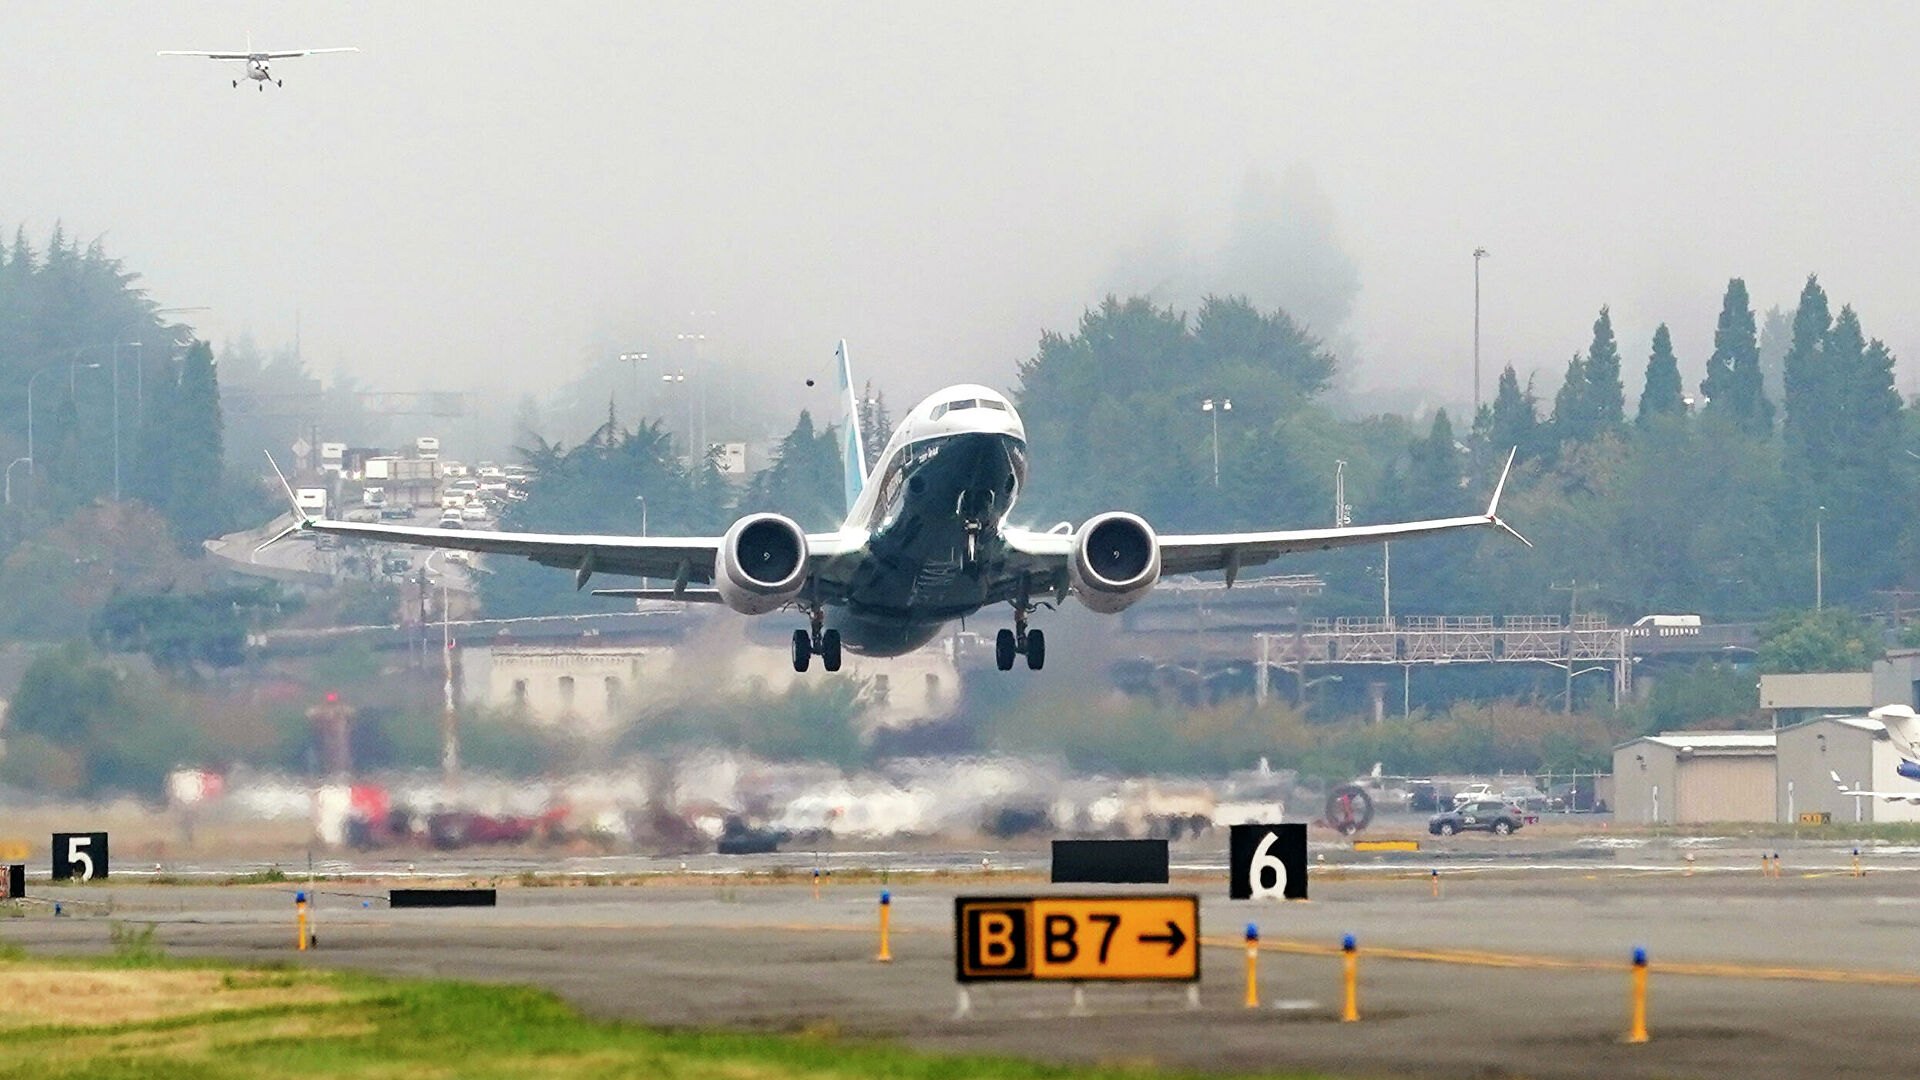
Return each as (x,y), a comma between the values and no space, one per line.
(1491,815)
(1473,793)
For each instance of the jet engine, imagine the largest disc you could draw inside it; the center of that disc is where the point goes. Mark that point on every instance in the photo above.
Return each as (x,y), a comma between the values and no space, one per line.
(1116,559)
(762,564)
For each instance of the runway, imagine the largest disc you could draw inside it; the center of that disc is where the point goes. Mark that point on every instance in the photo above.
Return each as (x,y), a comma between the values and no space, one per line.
(1519,971)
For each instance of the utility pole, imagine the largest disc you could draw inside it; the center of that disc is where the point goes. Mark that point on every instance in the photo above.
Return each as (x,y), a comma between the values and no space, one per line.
(1819,560)
(1478,254)
(1573,589)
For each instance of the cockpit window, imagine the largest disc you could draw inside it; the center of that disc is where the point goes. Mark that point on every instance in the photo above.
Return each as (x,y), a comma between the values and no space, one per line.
(954,406)
(992,404)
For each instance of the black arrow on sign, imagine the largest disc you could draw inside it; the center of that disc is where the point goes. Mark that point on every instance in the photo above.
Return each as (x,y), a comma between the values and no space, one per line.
(1174,937)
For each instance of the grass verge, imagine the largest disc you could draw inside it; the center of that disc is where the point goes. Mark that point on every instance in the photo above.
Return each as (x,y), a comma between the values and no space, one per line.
(94,1018)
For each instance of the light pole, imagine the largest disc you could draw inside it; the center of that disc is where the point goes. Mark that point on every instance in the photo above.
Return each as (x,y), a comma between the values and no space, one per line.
(695,344)
(10,465)
(642,500)
(1208,407)
(1819,560)
(449,731)
(1478,254)
(33,469)
(679,378)
(636,359)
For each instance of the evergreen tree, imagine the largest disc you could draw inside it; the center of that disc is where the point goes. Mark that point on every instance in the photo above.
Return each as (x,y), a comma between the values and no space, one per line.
(194,448)
(1514,417)
(1735,386)
(1605,394)
(1810,399)
(876,424)
(804,479)
(1663,395)
(1571,420)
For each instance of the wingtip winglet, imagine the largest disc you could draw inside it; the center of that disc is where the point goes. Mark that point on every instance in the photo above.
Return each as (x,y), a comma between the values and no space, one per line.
(300,519)
(1493,505)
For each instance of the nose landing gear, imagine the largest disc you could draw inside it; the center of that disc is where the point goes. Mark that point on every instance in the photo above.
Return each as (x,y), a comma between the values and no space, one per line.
(1020,641)
(813,642)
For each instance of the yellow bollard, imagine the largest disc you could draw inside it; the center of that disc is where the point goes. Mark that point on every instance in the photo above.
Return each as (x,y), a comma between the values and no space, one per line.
(300,919)
(1856,863)
(886,911)
(1637,1030)
(816,883)
(1776,864)
(1253,966)
(1350,1011)
(1436,884)
(1689,872)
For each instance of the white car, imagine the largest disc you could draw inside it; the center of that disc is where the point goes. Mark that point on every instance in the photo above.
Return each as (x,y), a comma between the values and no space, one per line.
(450,519)
(452,500)
(452,468)
(474,512)
(1474,793)
(491,472)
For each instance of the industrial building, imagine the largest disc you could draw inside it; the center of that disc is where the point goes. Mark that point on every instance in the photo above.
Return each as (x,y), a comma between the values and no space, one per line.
(1693,777)
(1853,746)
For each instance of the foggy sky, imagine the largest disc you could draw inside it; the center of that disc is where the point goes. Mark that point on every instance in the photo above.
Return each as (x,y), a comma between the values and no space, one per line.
(494,196)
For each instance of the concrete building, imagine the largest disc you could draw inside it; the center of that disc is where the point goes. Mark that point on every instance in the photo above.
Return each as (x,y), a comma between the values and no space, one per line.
(1792,699)
(1853,746)
(1693,777)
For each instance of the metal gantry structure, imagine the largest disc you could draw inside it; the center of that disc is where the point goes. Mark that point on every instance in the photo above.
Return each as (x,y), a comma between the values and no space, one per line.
(1579,645)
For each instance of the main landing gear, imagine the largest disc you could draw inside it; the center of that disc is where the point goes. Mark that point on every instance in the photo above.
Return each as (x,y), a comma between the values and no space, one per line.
(1020,641)
(813,642)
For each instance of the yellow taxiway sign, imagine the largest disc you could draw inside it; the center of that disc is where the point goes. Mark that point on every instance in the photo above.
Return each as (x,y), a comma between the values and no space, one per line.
(1077,938)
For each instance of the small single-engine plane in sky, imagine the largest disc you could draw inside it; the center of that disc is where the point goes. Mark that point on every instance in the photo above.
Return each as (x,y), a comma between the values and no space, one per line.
(925,541)
(257,61)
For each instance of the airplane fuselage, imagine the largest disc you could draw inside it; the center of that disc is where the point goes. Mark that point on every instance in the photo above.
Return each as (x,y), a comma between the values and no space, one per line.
(933,511)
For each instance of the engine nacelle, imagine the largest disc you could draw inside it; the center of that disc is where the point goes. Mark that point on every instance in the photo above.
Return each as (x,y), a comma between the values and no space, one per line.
(762,564)
(1116,559)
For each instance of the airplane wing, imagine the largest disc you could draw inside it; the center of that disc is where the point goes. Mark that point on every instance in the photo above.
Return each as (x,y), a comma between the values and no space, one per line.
(1891,796)
(307,52)
(1232,552)
(678,559)
(208,55)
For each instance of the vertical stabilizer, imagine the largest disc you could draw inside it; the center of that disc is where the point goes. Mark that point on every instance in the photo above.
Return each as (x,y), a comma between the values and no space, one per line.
(1903,728)
(853,453)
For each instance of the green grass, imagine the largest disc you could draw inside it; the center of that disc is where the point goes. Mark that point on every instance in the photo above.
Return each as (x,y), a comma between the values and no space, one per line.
(330,1024)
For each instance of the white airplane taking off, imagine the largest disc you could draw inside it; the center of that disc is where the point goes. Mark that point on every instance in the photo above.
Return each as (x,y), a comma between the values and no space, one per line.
(257,61)
(1903,730)
(925,541)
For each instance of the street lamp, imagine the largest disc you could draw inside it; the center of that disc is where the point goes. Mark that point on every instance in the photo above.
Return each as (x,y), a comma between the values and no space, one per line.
(678,378)
(71,366)
(1478,254)
(642,500)
(1208,407)
(1819,559)
(636,359)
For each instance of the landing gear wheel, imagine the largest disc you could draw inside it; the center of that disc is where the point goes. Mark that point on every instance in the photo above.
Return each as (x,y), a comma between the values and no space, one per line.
(263,88)
(280,83)
(1003,650)
(1036,650)
(830,650)
(236,84)
(802,650)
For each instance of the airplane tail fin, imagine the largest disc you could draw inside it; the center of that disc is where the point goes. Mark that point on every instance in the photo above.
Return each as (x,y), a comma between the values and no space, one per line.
(1903,728)
(853,453)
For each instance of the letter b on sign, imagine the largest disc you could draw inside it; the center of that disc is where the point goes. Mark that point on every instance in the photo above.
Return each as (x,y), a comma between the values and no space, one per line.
(1268,861)
(993,939)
